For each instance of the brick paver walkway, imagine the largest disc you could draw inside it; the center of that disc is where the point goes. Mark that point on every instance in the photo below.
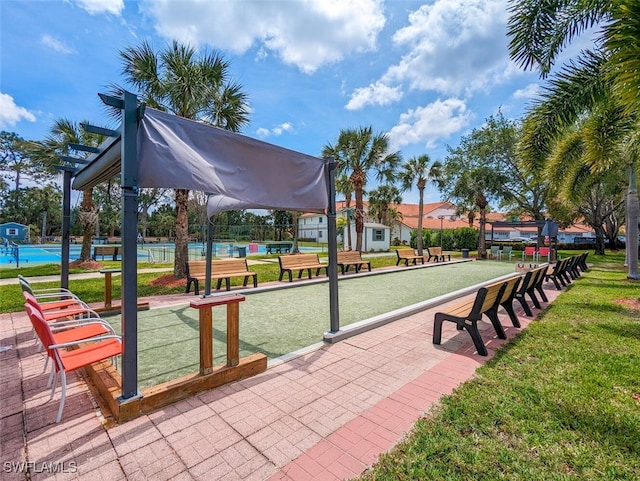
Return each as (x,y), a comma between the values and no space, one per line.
(326,416)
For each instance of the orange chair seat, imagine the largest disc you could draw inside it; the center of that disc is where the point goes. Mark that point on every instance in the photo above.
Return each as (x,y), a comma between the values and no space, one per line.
(77,358)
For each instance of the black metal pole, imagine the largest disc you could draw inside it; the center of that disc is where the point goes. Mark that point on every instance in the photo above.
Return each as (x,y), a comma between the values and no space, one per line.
(334,308)
(66,228)
(129,304)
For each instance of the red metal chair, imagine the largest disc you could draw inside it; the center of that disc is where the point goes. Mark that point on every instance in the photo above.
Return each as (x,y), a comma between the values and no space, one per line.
(529,251)
(58,310)
(86,351)
(543,253)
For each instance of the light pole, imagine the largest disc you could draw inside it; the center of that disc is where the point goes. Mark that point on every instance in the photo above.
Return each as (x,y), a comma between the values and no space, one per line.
(441,217)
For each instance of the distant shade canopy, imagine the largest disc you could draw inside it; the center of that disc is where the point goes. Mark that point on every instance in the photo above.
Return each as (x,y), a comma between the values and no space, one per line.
(237,171)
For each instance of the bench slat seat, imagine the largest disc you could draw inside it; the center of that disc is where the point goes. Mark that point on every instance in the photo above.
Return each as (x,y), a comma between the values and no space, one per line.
(406,255)
(221,269)
(300,262)
(347,259)
(467,314)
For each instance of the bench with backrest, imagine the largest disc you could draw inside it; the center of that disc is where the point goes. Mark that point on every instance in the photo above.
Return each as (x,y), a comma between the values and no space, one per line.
(347,259)
(221,269)
(278,247)
(528,285)
(406,255)
(437,254)
(103,251)
(467,313)
(300,262)
(558,273)
(506,301)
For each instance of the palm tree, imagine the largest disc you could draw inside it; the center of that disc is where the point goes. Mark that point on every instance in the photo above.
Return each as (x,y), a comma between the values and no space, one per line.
(379,200)
(539,30)
(177,80)
(419,171)
(595,196)
(344,187)
(63,133)
(357,152)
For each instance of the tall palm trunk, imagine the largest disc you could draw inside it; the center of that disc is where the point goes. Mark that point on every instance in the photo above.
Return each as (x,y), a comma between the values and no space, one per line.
(87,217)
(421,186)
(347,204)
(358,216)
(182,233)
(633,211)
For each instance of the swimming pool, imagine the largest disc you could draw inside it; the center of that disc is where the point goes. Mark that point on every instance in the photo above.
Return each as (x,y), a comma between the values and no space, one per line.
(31,254)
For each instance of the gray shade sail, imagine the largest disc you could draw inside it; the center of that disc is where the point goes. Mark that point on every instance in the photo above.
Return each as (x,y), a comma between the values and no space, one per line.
(237,172)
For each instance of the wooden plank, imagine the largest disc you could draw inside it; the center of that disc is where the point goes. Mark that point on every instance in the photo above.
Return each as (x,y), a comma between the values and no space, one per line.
(206,340)
(233,334)
(216,300)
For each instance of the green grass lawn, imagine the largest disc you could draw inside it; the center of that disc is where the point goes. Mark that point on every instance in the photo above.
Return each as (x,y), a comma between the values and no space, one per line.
(561,402)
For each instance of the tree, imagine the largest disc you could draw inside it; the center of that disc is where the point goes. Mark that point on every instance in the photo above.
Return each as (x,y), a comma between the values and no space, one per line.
(357,152)
(539,31)
(595,196)
(379,200)
(16,161)
(419,171)
(344,187)
(63,133)
(177,80)
(475,172)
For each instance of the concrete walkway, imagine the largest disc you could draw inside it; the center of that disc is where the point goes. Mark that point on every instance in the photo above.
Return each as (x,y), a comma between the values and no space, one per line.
(326,415)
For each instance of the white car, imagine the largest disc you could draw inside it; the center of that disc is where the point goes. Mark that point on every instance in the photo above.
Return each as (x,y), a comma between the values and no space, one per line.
(519,239)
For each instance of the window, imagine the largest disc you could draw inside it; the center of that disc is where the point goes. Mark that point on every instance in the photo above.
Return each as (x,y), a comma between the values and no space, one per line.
(12,231)
(319,234)
(378,234)
(320,220)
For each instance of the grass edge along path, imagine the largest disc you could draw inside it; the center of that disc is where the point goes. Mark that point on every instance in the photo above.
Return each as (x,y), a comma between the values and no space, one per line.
(560,402)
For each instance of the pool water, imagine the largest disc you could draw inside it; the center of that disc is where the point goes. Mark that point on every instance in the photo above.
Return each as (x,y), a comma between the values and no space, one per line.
(30,254)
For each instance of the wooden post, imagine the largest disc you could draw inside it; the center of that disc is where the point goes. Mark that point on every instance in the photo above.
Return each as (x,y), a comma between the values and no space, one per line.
(107,286)
(205,306)
(233,334)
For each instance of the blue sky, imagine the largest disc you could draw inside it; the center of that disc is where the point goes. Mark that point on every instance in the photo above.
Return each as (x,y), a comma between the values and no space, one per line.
(425,73)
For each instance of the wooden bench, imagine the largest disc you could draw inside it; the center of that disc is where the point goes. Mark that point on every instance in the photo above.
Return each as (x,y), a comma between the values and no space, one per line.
(558,273)
(111,251)
(300,263)
(278,247)
(347,259)
(437,254)
(506,301)
(221,269)
(407,255)
(530,283)
(467,313)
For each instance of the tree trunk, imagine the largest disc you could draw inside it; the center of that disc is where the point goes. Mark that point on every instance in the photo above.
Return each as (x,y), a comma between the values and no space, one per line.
(633,210)
(87,217)
(182,233)
(420,214)
(481,202)
(348,205)
(358,217)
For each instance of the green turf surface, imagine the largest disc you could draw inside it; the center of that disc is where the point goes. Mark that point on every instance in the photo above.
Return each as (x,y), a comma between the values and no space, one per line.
(281,321)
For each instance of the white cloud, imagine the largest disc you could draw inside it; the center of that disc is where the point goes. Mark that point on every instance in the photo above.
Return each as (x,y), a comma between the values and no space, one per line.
(94,7)
(374,94)
(305,33)
(11,114)
(531,91)
(453,47)
(277,130)
(426,125)
(55,44)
